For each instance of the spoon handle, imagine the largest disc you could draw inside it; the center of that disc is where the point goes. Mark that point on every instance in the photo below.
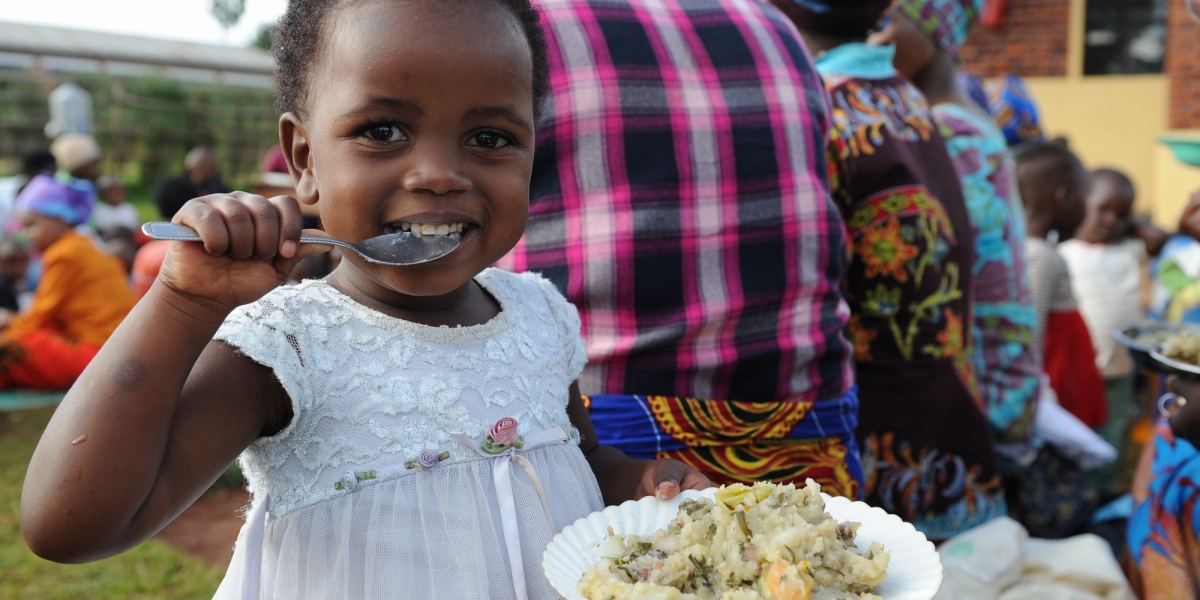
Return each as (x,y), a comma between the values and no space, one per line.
(181,233)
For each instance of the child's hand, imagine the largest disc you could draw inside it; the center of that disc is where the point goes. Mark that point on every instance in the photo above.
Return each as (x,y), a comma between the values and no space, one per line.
(666,477)
(250,246)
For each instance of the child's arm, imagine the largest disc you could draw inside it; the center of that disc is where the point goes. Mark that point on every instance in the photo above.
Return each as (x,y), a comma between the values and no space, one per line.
(622,478)
(162,410)
(1151,235)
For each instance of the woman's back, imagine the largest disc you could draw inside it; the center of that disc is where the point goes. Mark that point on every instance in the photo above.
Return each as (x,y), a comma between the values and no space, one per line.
(908,286)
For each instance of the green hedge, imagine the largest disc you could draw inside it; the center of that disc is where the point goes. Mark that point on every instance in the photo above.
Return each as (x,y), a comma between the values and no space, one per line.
(145,126)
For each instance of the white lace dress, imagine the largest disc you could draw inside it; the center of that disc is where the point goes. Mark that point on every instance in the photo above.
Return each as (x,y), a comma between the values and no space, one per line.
(337,511)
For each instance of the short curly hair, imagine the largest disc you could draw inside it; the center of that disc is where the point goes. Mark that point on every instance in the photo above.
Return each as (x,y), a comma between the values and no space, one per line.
(298,39)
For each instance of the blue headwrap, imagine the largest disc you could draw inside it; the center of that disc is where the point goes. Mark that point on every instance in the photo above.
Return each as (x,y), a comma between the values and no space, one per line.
(46,196)
(1014,110)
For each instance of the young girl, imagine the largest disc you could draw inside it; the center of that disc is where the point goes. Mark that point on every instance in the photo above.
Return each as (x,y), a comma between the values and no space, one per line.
(1053,184)
(409,432)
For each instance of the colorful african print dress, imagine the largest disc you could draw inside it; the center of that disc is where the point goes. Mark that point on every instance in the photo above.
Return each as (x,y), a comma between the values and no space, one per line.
(926,445)
(1164,530)
(1004,356)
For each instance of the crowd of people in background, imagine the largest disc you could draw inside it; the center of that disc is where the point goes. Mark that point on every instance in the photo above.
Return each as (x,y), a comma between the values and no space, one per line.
(863,267)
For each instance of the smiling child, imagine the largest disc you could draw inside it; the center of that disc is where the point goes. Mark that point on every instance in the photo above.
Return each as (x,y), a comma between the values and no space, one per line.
(381,414)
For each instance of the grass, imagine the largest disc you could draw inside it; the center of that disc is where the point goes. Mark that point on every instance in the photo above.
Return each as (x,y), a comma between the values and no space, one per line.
(152,570)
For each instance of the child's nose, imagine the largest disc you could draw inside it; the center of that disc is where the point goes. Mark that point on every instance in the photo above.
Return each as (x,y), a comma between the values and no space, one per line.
(437,169)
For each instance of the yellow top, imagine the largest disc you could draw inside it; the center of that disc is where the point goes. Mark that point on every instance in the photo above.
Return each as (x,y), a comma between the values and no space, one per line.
(83,293)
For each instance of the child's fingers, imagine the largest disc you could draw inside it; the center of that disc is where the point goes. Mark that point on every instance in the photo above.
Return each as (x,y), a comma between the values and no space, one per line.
(695,480)
(208,223)
(305,250)
(671,477)
(291,224)
(238,222)
(267,225)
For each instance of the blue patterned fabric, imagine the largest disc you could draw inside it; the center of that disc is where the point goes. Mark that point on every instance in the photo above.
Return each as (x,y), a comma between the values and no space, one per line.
(1014,110)
(638,434)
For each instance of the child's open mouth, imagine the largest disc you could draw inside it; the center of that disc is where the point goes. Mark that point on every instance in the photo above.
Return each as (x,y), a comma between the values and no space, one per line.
(454,230)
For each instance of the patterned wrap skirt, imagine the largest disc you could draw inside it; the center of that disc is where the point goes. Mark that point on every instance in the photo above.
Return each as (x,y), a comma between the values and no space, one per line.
(739,442)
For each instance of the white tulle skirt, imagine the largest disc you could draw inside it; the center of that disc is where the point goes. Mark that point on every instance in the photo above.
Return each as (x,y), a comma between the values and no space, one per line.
(431,534)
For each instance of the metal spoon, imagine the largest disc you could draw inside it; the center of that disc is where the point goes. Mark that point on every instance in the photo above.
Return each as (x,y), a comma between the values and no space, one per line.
(394,249)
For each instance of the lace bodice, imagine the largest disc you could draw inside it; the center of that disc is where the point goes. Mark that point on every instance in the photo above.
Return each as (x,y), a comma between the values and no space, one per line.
(370,392)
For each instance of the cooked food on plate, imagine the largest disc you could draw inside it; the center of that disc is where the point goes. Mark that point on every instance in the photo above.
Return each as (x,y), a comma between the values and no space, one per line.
(1184,348)
(767,541)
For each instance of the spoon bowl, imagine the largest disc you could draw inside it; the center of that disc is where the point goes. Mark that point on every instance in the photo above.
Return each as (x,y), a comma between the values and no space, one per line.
(392,249)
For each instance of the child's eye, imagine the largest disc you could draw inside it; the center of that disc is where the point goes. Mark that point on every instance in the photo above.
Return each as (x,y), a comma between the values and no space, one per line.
(384,133)
(489,139)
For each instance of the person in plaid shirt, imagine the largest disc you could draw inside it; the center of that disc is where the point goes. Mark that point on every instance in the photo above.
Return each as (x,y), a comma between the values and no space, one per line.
(680,199)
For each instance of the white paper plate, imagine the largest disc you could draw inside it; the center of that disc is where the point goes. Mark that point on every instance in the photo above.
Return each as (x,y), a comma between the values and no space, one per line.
(914,570)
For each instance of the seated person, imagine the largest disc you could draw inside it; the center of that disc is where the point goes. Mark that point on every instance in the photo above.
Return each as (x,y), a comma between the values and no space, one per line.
(14,266)
(81,298)
(113,212)
(121,243)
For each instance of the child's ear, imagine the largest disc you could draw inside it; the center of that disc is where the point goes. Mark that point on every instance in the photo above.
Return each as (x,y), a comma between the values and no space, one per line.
(293,139)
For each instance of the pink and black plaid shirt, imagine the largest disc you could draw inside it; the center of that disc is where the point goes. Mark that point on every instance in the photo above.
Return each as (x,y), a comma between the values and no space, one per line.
(680,200)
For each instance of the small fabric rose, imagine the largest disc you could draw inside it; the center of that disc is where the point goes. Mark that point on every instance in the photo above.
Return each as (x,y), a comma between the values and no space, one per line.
(428,458)
(504,432)
(348,482)
(502,436)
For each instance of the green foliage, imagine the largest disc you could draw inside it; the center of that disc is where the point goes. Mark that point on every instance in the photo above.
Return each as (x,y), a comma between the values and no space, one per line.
(265,37)
(153,570)
(146,126)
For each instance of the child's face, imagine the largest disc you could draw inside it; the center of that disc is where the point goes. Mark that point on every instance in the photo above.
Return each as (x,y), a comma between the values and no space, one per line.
(1109,209)
(419,113)
(113,193)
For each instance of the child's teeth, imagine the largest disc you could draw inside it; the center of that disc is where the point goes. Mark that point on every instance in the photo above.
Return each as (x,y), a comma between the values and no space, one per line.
(423,229)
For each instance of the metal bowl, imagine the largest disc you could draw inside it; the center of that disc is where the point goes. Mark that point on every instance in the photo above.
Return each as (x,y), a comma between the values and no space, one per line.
(1133,337)
(1171,366)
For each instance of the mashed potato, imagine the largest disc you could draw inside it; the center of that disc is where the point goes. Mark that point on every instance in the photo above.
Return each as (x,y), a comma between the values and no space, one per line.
(767,541)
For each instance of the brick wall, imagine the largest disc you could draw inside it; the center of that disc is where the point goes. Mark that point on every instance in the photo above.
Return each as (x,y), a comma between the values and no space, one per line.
(1032,43)
(1183,67)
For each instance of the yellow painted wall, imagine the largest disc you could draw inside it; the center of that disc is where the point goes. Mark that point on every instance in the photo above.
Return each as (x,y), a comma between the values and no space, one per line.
(1176,182)
(1114,122)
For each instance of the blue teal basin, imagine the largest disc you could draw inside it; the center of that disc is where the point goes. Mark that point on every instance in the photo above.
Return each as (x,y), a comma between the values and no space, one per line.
(1185,148)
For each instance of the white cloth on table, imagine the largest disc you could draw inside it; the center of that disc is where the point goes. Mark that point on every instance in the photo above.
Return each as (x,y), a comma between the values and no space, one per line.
(1072,437)
(1107,279)
(999,561)
(347,519)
